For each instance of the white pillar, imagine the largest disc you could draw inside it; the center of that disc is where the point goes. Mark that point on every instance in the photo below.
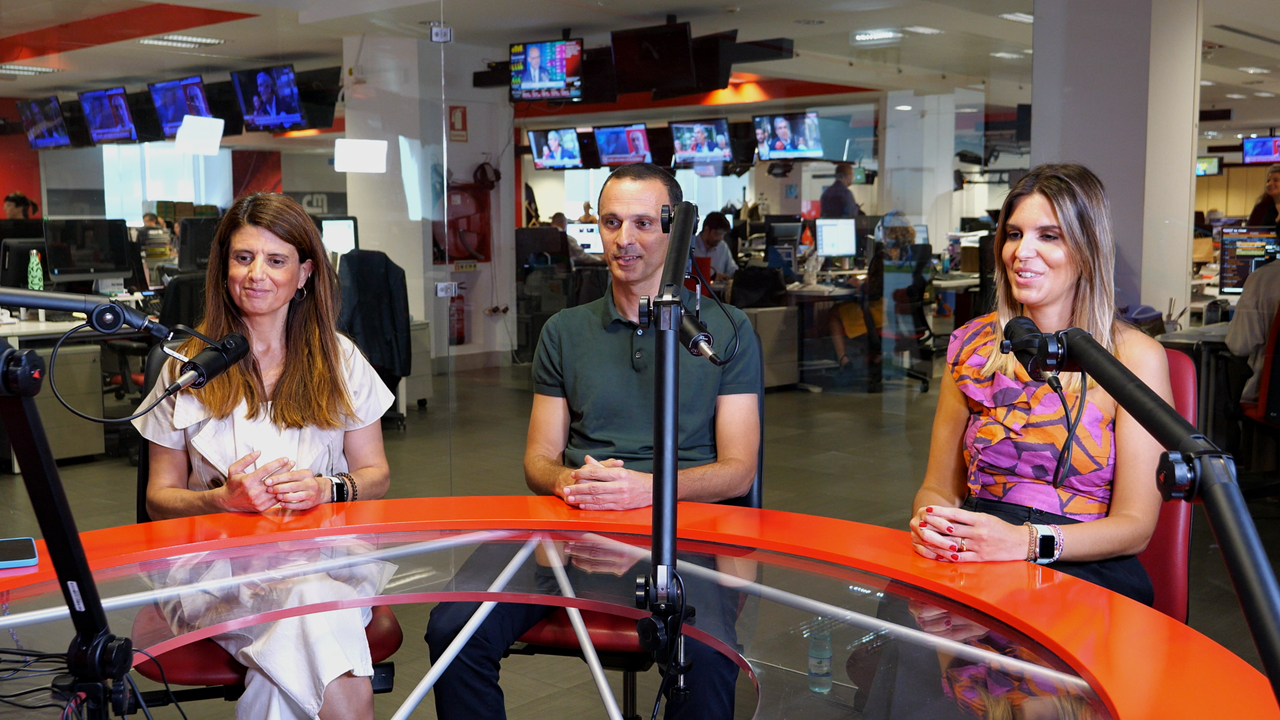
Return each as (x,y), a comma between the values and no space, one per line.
(920,145)
(1116,89)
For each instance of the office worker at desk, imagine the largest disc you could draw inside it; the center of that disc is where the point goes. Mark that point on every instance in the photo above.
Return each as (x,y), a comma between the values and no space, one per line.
(989,492)
(1251,322)
(293,425)
(710,244)
(590,443)
(1267,210)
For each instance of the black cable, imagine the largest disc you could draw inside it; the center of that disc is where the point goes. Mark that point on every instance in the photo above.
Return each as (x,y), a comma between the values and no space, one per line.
(1064,457)
(168,690)
(53,384)
(146,712)
(698,272)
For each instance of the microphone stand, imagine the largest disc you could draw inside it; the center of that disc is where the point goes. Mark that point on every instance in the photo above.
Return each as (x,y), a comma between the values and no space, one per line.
(661,591)
(96,659)
(1194,469)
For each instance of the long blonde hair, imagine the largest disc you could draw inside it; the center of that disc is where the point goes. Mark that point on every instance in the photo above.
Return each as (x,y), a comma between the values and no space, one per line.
(311,390)
(1080,202)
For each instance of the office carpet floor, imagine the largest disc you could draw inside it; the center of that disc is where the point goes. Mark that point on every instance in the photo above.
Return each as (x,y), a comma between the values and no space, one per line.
(842,454)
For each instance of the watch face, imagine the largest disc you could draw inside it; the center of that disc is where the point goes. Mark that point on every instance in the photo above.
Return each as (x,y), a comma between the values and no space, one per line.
(1046,547)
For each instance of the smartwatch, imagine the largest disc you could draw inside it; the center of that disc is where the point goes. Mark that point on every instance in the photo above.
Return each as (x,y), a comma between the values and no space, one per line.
(1046,548)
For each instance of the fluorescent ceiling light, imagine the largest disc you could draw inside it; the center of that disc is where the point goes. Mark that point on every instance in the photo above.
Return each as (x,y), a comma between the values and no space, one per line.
(922,30)
(1235,96)
(361,156)
(194,39)
(1253,135)
(187,42)
(1027,51)
(868,36)
(1019,17)
(901,107)
(199,135)
(1208,83)
(168,43)
(1007,55)
(1254,70)
(1265,94)
(9,69)
(967,110)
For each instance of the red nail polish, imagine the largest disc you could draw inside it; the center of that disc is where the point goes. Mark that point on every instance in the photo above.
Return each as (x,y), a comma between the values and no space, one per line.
(922,525)
(928,509)
(955,557)
(953,549)
(950,529)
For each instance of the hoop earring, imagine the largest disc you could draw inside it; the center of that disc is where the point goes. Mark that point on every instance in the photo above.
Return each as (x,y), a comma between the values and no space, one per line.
(302,290)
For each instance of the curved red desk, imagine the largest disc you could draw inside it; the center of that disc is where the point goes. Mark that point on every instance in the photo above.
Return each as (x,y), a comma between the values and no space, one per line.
(1141,663)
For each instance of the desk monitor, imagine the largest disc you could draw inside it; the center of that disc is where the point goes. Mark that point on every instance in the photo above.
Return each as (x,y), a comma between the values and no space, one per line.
(586,235)
(87,250)
(922,234)
(1243,250)
(837,237)
(339,234)
(785,232)
(195,240)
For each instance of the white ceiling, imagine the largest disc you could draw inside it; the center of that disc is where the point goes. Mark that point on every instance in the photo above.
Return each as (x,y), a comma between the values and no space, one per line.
(309,33)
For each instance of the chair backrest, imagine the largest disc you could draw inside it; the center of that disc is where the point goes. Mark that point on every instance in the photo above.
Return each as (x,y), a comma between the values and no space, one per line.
(1267,409)
(183,300)
(1168,554)
(151,373)
(755,496)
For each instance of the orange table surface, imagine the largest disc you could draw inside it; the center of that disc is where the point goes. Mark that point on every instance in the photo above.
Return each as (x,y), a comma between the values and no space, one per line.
(1142,663)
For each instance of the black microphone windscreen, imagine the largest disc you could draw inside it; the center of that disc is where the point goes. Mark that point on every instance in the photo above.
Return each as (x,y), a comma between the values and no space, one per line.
(216,359)
(1020,328)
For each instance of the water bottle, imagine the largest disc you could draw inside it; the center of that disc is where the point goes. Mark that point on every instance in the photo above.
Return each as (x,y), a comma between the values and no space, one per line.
(820,657)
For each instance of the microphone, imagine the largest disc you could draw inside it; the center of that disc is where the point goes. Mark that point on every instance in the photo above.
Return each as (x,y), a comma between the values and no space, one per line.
(211,362)
(1023,339)
(694,336)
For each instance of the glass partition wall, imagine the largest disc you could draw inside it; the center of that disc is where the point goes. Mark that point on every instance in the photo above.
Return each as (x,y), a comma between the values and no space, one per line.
(407,124)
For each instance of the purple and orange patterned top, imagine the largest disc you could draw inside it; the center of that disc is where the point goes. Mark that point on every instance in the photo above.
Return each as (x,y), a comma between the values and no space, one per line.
(1016,430)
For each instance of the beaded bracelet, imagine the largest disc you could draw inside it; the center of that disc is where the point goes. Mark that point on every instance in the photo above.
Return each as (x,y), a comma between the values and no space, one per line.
(1057,544)
(1031,542)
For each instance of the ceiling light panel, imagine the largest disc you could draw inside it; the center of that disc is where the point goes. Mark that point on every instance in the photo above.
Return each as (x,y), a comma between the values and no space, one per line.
(922,30)
(1019,17)
(26,70)
(860,37)
(167,43)
(1008,55)
(1254,70)
(1236,96)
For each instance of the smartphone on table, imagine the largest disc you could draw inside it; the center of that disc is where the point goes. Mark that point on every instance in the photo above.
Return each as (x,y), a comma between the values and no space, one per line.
(17,552)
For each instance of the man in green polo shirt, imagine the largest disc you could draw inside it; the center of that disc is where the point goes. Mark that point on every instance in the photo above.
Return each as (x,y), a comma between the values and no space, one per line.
(590,442)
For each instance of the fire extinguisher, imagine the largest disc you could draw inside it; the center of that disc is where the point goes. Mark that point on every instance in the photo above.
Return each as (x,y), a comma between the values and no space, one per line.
(458,319)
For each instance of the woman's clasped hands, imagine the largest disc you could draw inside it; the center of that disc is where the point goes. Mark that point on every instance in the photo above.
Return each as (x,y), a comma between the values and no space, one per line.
(271,484)
(956,535)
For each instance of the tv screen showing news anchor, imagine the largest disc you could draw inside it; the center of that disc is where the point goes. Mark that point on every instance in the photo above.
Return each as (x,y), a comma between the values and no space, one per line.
(269,98)
(788,136)
(623,144)
(106,112)
(701,141)
(546,70)
(555,149)
(1262,150)
(42,120)
(176,99)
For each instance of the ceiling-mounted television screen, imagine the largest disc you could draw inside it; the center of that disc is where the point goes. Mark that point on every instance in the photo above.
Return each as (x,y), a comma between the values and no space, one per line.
(555,149)
(1262,150)
(653,58)
(623,145)
(698,142)
(549,70)
(176,99)
(269,98)
(789,135)
(1209,165)
(106,112)
(42,120)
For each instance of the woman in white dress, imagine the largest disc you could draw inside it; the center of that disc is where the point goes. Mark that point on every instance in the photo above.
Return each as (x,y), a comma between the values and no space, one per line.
(294,425)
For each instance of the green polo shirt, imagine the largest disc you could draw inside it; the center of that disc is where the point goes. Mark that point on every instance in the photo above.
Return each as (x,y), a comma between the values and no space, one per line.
(603,365)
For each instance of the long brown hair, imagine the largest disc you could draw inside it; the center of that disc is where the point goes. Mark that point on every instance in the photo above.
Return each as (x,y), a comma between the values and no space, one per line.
(1264,197)
(311,390)
(1080,202)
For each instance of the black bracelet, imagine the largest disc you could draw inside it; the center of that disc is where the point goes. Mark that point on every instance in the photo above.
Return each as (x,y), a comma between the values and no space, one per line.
(351,482)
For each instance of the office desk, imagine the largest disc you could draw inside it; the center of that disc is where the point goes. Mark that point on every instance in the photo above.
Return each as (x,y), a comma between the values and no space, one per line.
(1202,344)
(1138,663)
(805,299)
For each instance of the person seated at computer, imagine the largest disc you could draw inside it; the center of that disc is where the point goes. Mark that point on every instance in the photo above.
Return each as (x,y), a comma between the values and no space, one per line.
(710,244)
(1267,210)
(578,253)
(837,199)
(591,443)
(992,490)
(294,425)
(19,207)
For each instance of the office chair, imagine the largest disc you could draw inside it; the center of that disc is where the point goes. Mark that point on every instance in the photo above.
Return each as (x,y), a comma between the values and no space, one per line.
(1262,419)
(1168,553)
(615,638)
(210,670)
(909,330)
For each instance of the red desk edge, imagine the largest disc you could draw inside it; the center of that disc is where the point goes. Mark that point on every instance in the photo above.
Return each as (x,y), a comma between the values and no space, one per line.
(1142,663)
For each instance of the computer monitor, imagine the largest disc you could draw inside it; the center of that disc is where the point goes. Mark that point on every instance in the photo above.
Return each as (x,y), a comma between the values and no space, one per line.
(922,234)
(785,232)
(1243,250)
(587,235)
(837,237)
(195,240)
(339,234)
(87,250)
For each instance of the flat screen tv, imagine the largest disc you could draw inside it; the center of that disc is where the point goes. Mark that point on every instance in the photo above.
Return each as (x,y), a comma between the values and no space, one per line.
(176,99)
(106,112)
(43,123)
(549,70)
(700,142)
(1209,165)
(269,99)
(788,135)
(1262,150)
(555,149)
(623,144)
(654,58)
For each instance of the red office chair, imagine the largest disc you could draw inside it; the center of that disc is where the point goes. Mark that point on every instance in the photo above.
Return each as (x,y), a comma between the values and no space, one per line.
(204,664)
(1167,555)
(615,638)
